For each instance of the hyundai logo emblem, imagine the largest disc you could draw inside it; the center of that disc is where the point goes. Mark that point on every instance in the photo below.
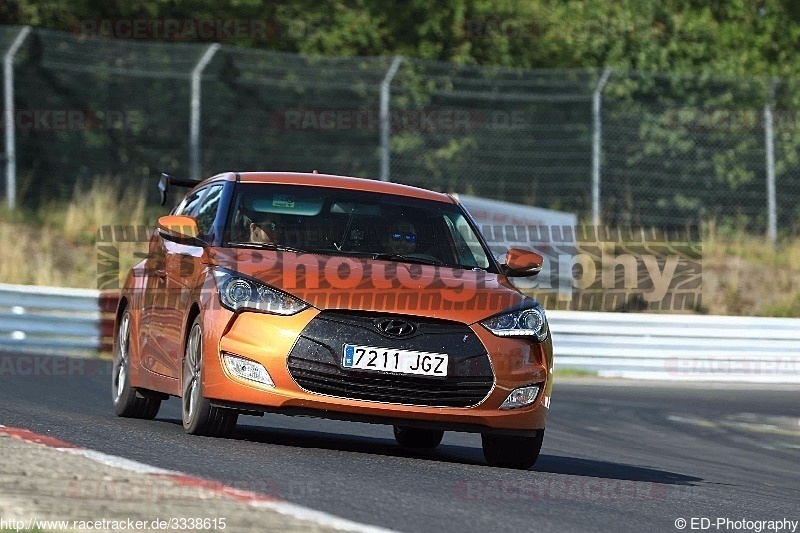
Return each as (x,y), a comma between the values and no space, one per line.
(395,327)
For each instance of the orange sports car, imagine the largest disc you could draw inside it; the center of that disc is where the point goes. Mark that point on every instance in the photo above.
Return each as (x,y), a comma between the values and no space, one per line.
(337,297)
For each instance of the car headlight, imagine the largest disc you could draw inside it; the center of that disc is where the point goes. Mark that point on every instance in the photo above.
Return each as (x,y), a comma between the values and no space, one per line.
(238,292)
(528,322)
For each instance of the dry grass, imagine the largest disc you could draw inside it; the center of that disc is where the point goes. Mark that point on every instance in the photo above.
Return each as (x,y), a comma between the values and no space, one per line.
(742,275)
(37,255)
(100,205)
(56,245)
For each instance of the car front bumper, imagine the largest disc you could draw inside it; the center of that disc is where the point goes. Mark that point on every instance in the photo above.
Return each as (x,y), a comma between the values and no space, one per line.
(270,339)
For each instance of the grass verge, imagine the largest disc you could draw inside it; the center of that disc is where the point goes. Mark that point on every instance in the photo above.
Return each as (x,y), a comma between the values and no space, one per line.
(55,245)
(567,372)
(743,275)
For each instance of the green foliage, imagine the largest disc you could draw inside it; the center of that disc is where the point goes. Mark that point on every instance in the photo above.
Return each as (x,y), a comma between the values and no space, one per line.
(736,38)
(664,155)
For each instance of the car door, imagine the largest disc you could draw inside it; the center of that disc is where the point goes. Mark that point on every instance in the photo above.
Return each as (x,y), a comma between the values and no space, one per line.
(157,315)
(183,266)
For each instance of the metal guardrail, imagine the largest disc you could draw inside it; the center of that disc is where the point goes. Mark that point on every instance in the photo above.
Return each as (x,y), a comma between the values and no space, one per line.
(647,346)
(678,347)
(51,320)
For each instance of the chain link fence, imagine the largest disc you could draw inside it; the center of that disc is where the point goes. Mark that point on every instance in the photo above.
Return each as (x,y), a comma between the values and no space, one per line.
(671,151)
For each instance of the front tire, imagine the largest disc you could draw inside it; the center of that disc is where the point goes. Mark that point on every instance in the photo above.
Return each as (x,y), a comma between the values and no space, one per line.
(128,401)
(199,416)
(417,438)
(512,452)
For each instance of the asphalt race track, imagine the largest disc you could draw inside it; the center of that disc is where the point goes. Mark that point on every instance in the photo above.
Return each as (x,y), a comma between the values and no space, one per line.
(632,457)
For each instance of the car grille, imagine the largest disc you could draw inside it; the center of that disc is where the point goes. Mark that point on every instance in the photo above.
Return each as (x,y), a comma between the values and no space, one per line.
(315,357)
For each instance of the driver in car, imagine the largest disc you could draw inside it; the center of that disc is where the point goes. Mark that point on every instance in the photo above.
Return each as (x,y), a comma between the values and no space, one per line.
(402,238)
(265,230)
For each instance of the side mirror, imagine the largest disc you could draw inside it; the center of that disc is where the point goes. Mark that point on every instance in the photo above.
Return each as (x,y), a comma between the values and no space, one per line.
(522,263)
(180,228)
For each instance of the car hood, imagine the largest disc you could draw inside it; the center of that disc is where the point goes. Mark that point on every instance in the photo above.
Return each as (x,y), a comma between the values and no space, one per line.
(340,282)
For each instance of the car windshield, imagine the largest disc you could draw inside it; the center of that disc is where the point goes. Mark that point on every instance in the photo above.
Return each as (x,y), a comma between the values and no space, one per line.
(344,222)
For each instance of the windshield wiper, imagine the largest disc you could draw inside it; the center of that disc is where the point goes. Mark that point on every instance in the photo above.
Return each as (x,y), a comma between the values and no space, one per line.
(266,246)
(410,259)
(422,261)
(283,248)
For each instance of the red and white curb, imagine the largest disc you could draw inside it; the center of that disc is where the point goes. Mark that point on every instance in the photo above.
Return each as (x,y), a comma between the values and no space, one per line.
(253,499)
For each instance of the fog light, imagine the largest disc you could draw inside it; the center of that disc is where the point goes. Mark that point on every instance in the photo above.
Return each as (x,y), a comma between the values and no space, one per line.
(521,397)
(246,369)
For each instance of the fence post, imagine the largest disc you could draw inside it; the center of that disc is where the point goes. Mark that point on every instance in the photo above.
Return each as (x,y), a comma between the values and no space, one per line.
(194,116)
(8,108)
(596,138)
(769,144)
(386,123)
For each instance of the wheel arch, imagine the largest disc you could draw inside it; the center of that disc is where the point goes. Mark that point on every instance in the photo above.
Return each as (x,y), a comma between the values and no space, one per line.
(194,312)
(121,307)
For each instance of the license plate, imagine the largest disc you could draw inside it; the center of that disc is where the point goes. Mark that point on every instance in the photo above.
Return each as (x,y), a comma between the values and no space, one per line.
(392,360)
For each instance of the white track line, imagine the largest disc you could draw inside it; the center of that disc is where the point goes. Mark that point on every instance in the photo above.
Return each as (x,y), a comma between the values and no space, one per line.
(257,501)
(117,462)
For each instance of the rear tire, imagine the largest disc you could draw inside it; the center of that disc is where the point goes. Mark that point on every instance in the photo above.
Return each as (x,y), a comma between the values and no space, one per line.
(128,401)
(199,416)
(512,452)
(417,437)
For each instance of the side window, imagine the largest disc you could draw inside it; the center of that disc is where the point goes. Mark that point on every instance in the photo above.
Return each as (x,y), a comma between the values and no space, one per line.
(468,247)
(207,211)
(187,205)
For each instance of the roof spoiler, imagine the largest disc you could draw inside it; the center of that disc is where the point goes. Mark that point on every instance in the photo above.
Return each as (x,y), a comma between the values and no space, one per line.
(166,180)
